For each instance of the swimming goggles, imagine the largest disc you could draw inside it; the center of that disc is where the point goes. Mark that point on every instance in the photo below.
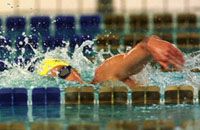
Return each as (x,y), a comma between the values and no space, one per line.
(64,72)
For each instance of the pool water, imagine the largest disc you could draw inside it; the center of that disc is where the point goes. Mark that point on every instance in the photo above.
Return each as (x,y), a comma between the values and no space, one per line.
(68,114)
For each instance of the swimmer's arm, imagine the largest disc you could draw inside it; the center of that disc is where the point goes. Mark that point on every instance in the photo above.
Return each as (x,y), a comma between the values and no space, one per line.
(150,48)
(121,67)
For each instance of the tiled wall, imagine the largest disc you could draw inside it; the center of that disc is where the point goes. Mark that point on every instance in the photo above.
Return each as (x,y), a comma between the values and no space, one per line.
(89,6)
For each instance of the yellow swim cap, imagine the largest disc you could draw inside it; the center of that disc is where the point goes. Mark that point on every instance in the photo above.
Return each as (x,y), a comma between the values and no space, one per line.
(49,63)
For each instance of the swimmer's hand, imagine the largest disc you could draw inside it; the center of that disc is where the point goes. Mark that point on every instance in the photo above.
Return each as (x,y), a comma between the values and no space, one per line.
(164,53)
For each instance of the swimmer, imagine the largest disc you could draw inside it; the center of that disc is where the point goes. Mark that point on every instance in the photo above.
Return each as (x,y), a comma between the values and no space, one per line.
(122,66)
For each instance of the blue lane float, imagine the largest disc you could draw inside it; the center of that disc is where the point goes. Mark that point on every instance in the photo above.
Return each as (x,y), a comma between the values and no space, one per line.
(15,25)
(65,26)
(3,66)
(5,42)
(20,96)
(40,25)
(51,42)
(90,24)
(16,96)
(29,43)
(5,97)
(46,96)
(38,96)
(53,96)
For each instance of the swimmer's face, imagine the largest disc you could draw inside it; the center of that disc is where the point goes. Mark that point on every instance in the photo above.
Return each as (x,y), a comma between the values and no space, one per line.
(73,76)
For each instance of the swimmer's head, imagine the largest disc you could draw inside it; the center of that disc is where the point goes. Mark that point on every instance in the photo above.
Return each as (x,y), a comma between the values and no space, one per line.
(49,63)
(65,71)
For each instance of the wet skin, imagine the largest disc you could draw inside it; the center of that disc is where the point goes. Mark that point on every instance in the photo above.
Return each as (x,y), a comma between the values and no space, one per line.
(122,66)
